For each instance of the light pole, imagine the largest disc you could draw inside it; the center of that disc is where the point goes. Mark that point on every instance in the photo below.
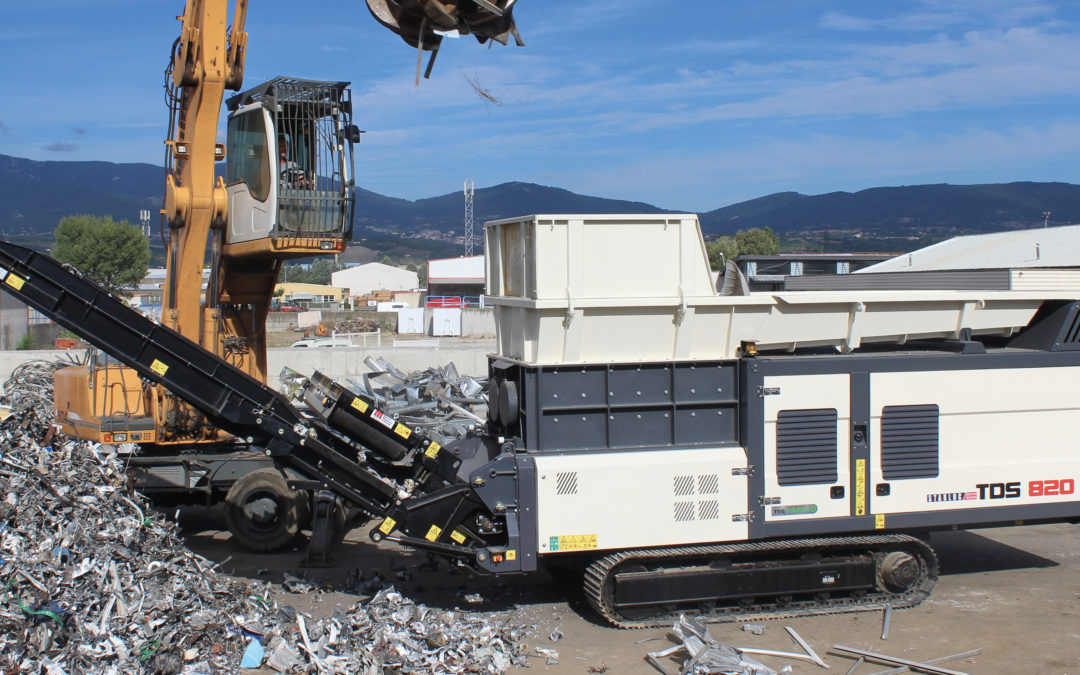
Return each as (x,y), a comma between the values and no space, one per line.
(1046,219)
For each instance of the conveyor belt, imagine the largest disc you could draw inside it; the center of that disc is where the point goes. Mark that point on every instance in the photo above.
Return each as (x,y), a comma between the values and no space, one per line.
(231,399)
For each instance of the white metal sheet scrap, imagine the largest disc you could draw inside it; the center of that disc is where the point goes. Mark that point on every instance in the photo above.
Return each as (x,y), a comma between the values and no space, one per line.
(94,581)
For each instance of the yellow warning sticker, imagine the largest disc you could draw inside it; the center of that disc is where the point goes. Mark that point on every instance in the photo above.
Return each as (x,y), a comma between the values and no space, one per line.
(403,431)
(572,542)
(860,487)
(388,526)
(432,450)
(15,281)
(511,554)
(159,367)
(433,533)
(457,536)
(359,405)
(879,521)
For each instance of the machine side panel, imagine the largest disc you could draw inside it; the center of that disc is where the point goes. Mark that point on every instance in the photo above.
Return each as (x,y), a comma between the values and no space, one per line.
(643,498)
(806,421)
(1007,437)
(933,440)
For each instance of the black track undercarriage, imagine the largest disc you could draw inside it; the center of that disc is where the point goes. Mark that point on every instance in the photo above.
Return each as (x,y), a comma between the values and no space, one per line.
(760,580)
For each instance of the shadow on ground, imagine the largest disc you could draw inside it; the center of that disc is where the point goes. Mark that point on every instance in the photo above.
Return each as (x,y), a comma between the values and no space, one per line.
(968,552)
(363,568)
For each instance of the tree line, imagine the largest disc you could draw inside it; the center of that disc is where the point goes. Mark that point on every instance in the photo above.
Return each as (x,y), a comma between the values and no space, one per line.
(116,255)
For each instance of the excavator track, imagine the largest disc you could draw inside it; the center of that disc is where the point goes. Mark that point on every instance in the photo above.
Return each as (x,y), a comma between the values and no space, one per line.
(904,572)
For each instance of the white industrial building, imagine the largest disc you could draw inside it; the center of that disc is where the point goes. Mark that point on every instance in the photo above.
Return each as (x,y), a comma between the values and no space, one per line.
(460,278)
(1017,260)
(366,279)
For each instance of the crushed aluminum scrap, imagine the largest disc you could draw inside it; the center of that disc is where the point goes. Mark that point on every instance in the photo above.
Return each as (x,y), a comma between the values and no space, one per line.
(706,656)
(438,401)
(92,581)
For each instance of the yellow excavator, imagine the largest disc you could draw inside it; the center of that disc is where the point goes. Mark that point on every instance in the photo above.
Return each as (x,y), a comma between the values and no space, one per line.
(287,193)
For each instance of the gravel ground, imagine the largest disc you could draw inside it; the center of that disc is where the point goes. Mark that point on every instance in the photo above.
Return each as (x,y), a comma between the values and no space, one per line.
(1013,592)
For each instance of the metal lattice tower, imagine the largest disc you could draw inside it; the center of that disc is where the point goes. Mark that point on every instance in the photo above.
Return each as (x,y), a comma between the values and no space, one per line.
(469,189)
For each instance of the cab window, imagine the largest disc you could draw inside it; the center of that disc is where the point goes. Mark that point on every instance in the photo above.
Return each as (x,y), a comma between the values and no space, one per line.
(248,156)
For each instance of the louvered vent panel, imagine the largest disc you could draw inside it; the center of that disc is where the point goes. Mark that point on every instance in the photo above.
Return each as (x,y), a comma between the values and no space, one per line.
(1071,334)
(684,511)
(708,484)
(708,510)
(909,441)
(806,448)
(566,483)
(684,485)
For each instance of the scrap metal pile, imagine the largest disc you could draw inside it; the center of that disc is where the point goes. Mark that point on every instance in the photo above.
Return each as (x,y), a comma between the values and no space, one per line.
(93,581)
(438,401)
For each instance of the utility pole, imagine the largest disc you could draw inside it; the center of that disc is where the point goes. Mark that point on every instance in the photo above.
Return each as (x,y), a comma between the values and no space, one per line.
(469,189)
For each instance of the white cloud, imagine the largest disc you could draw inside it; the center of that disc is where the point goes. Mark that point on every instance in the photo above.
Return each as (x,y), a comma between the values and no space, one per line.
(716,177)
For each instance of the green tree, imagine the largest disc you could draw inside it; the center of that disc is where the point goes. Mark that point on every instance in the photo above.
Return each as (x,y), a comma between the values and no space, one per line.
(721,250)
(421,272)
(115,255)
(318,272)
(758,241)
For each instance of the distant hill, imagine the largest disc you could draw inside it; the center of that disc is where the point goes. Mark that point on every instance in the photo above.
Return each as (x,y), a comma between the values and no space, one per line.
(34,196)
(446,212)
(970,208)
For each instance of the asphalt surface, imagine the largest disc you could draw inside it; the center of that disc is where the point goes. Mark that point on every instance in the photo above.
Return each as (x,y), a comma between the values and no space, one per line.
(1012,592)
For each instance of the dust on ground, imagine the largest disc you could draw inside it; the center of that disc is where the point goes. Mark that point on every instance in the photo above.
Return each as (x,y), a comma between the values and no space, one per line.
(1013,592)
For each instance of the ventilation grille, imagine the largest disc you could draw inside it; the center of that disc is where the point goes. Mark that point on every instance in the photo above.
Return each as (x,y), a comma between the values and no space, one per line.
(684,485)
(705,509)
(708,484)
(1071,334)
(909,441)
(566,483)
(806,448)
(709,510)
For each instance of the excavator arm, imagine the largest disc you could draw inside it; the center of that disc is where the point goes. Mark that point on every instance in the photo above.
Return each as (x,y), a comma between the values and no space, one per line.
(422,491)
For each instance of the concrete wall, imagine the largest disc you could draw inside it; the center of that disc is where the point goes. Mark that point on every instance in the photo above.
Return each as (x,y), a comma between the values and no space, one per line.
(340,362)
(13,322)
(336,362)
(478,322)
(474,322)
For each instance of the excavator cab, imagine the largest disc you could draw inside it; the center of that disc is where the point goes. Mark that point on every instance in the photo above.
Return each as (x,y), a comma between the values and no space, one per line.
(289,168)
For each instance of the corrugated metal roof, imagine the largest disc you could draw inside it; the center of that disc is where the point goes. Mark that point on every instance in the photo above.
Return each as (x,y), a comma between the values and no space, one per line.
(1042,247)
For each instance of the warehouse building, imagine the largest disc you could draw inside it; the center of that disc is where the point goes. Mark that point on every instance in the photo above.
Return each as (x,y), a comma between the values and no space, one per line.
(372,277)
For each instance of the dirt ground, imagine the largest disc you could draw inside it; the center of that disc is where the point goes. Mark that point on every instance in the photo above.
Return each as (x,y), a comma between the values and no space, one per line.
(1012,592)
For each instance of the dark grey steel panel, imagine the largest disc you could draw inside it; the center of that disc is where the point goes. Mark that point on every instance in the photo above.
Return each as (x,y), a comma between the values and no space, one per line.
(909,441)
(527,512)
(966,280)
(752,425)
(570,430)
(1054,329)
(642,384)
(859,440)
(615,406)
(806,446)
(572,387)
(706,382)
(706,424)
(638,427)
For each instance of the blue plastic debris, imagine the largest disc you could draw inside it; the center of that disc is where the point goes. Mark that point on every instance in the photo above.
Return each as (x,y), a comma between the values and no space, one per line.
(253,655)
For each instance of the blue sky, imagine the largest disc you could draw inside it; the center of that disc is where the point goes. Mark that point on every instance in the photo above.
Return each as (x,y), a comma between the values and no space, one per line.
(690,105)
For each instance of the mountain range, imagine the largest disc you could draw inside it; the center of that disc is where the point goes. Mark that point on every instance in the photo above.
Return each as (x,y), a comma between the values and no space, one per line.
(35,195)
